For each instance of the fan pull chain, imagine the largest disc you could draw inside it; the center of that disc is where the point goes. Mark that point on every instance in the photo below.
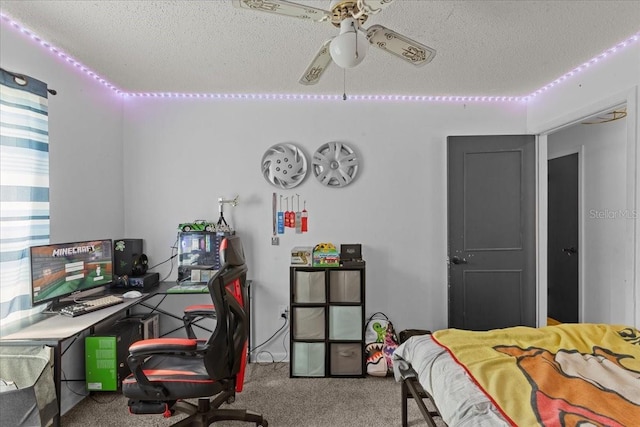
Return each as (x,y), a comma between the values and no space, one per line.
(344,84)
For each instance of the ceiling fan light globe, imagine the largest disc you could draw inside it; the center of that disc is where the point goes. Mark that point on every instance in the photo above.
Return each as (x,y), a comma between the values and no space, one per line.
(349,49)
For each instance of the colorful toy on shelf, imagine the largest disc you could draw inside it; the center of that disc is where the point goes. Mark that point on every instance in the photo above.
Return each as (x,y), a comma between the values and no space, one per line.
(198,225)
(326,255)
(221,227)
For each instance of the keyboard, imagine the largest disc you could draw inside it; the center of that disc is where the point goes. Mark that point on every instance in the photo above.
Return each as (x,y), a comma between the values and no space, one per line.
(84,307)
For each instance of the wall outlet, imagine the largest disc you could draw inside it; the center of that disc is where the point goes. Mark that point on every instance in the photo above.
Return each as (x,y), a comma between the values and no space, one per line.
(283,312)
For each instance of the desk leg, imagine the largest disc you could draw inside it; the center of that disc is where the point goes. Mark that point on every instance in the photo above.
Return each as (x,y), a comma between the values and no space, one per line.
(57,380)
(167,313)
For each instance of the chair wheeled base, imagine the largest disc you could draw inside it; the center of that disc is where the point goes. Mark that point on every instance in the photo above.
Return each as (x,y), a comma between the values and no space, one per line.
(203,414)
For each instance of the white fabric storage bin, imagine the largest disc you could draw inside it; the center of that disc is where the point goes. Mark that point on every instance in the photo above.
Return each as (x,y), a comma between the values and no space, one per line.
(29,395)
(345,323)
(308,359)
(309,323)
(344,286)
(309,287)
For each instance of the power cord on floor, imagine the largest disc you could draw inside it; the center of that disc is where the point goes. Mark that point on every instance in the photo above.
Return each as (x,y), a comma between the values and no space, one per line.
(277,365)
(284,325)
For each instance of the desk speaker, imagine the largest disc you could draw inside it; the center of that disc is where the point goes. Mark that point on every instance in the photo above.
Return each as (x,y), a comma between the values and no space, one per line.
(125,254)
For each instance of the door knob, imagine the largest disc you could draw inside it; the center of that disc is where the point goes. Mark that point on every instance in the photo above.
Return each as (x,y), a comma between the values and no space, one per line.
(458,260)
(570,251)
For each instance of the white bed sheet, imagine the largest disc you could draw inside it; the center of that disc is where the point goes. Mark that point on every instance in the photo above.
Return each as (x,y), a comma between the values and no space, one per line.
(460,402)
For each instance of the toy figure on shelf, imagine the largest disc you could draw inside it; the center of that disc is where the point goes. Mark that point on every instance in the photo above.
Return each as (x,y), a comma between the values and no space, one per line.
(221,227)
(198,225)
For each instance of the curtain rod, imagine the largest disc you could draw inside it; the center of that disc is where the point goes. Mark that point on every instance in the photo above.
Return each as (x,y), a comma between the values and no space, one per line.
(26,80)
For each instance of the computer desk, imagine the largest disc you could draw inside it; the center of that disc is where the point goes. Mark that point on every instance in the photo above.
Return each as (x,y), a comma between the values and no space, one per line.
(53,329)
(163,290)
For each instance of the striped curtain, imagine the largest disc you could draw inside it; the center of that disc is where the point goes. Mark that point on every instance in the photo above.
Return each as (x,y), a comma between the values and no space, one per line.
(24,187)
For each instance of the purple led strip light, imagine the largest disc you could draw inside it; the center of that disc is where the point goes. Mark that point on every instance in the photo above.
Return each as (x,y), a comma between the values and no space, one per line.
(634,38)
(54,50)
(267,96)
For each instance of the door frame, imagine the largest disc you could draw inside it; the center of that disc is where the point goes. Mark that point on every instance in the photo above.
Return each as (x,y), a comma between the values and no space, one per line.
(579,150)
(629,98)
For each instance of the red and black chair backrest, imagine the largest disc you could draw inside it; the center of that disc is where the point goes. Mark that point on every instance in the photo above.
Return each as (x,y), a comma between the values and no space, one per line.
(229,337)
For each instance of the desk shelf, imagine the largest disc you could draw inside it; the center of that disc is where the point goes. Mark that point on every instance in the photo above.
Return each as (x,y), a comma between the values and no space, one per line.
(327,316)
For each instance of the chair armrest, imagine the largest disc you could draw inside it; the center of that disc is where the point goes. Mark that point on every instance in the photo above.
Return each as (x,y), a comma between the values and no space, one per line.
(162,346)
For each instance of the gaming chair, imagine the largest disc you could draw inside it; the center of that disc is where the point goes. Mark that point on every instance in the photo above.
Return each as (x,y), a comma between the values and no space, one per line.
(167,370)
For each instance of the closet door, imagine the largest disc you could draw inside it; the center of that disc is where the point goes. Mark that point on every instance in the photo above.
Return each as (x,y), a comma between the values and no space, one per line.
(492,213)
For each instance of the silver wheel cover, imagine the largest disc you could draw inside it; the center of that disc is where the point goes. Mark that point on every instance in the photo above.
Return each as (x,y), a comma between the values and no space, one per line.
(335,164)
(284,165)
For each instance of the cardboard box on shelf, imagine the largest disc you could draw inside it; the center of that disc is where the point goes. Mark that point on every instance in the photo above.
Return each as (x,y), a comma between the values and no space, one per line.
(301,256)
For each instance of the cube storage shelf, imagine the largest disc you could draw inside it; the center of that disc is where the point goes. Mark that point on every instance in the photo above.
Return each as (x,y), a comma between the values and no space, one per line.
(327,317)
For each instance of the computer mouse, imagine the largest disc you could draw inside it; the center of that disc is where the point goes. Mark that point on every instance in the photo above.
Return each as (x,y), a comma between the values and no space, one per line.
(132,294)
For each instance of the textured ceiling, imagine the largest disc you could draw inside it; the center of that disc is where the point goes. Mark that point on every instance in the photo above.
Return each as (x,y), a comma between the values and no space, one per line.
(493,48)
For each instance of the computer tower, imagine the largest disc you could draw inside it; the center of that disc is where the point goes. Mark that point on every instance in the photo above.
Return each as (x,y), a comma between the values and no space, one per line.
(106,355)
(198,255)
(125,253)
(150,324)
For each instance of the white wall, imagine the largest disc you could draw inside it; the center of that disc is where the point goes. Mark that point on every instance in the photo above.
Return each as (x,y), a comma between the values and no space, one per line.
(181,155)
(605,299)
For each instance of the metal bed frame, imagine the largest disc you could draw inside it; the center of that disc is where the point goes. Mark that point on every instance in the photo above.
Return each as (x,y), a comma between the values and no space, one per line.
(411,389)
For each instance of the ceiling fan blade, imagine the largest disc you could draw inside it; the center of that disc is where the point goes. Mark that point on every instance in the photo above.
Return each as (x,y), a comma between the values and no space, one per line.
(319,63)
(374,6)
(400,46)
(286,8)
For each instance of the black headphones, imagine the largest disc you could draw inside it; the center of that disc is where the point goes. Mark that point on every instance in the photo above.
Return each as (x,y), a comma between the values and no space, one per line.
(140,265)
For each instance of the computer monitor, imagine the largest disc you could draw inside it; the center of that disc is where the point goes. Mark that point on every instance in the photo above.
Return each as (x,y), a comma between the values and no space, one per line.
(59,270)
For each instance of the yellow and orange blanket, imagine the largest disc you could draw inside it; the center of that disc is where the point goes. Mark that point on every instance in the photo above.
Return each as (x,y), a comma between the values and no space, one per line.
(564,375)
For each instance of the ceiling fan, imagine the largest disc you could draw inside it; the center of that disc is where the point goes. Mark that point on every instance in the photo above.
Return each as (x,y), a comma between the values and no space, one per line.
(350,47)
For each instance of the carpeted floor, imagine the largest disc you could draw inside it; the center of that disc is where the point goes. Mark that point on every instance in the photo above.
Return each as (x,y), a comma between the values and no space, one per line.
(284,402)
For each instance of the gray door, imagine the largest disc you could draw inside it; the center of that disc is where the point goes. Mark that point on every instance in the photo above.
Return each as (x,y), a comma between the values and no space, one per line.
(491,212)
(562,273)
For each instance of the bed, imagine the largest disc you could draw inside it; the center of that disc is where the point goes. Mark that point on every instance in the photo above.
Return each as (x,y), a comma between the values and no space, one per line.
(564,375)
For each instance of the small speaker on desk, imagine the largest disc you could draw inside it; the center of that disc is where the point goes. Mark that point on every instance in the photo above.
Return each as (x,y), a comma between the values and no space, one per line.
(126,254)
